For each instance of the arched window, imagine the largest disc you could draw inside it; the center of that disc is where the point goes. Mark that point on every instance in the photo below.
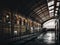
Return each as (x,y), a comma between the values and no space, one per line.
(49,24)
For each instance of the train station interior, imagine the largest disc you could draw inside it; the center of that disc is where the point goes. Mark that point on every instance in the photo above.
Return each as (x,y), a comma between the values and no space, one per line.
(29,22)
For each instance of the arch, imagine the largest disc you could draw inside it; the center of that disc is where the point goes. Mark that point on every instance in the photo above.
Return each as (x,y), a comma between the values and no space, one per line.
(49,24)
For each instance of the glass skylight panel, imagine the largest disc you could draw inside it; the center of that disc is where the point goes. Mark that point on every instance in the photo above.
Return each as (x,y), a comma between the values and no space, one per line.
(50,3)
(43,18)
(40,20)
(51,14)
(52,7)
(42,15)
(38,11)
(44,10)
(44,7)
(47,17)
(46,13)
(57,3)
(51,11)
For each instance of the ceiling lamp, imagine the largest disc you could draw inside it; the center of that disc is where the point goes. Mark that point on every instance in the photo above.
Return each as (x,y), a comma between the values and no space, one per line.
(7,16)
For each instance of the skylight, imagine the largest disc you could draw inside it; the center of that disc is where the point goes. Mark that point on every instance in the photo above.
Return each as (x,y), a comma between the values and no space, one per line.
(52,7)
(57,4)
(51,3)
(51,11)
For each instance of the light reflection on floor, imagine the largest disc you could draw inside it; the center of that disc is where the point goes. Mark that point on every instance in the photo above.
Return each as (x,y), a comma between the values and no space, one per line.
(48,38)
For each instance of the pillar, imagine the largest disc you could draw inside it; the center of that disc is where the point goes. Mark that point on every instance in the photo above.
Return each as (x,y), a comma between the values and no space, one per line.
(12,24)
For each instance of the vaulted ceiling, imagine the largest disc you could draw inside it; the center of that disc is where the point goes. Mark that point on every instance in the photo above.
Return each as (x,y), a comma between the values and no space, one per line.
(36,10)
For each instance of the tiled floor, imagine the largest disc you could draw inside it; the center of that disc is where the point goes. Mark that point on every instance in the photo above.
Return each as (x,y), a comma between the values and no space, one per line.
(47,38)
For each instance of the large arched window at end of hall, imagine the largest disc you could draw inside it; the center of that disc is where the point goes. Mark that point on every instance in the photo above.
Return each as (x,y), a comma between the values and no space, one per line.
(49,24)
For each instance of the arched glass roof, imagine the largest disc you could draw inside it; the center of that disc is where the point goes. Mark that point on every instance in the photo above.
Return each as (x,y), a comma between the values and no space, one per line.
(36,10)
